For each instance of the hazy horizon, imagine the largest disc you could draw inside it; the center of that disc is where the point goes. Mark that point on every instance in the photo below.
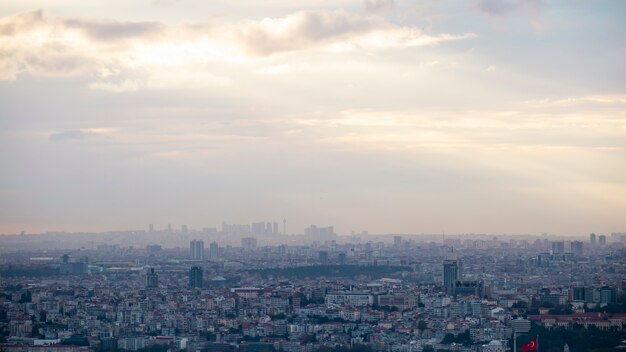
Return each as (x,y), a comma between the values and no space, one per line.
(388,116)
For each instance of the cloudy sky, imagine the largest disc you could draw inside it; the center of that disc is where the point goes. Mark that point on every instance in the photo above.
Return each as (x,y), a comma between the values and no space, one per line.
(485,116)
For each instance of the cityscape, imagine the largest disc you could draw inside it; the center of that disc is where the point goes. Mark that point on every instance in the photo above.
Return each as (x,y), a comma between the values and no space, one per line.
(253,288)
(313,176)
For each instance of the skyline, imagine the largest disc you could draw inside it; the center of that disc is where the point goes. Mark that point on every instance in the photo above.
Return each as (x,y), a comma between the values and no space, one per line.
(484,117)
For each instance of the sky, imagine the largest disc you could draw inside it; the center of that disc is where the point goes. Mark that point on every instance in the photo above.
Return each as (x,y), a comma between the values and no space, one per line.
(390,116)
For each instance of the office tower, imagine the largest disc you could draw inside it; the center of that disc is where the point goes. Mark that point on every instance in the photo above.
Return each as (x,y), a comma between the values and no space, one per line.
(275,228)
(184,229)
(268,228)
(214,251)
(196,249)
(152,279)
(151,228)
(602,240)
(577,248)
(592,239)
(248,243)
(558,247)
(195,277)
(397,241)
(258,228)
(451,272)
(323,257)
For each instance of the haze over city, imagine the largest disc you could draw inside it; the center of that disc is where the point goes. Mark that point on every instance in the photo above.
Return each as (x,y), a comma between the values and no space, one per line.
(383,115)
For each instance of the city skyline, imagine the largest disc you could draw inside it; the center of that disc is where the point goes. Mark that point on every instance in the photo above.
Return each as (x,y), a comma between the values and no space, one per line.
(382,115)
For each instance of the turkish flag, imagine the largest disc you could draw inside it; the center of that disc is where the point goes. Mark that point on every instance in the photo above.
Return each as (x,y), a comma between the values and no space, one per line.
(530,346)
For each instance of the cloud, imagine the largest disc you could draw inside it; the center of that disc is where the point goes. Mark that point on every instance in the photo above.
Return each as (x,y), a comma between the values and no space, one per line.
(69,135)
(120,56)
(25,21)
(312,29)
(115,30)
(378,5)
(505,7)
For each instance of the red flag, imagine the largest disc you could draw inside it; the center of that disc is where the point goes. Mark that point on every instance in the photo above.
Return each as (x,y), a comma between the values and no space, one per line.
(530,346)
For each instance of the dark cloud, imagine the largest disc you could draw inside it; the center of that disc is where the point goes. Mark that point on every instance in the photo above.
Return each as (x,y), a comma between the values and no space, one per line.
(69,135)
(115,30)
(505,7)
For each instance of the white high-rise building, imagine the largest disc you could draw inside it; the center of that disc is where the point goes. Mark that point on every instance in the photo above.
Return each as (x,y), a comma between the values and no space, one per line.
(196,249)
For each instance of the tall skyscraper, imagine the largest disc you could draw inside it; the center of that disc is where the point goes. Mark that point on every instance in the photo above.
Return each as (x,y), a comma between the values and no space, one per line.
(195,277)
(151,228)
(602,240)
(451,272)
(558,247)
(592,239)
(577,248)
(196,249)
(152,278)
(214,251)
(397,241)
(275,228)
(323,257)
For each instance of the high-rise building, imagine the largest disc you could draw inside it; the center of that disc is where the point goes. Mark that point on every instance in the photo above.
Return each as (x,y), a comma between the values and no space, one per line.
(451,272)
(152,278)
(592,239)
(195,277)
(577,248)
(558,247)
(258,228)
(196,249)
(323,257)
(602,240)
(184,229)
(397,241)
(214,251)
(275,228)
(151,228)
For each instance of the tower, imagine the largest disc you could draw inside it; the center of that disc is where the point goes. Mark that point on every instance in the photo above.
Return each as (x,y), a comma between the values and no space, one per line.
(195,277)
(284,226)
(214,250)
(451,272)
(152,278)
(196,249)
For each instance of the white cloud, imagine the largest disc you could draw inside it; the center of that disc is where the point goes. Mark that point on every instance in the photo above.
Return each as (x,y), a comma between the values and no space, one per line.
(126,56)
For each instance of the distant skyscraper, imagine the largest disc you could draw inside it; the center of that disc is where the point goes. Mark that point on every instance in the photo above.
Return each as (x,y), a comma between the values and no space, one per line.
(152,279)
(451,272)
(323,257)
(214,250)
(397,241)
(184,229)
(602,240)
(195,277)
(342,257)
(558,247)
(592,239)
(275,228)
(577,248)
(151,228)
(268,228)
(196,249)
